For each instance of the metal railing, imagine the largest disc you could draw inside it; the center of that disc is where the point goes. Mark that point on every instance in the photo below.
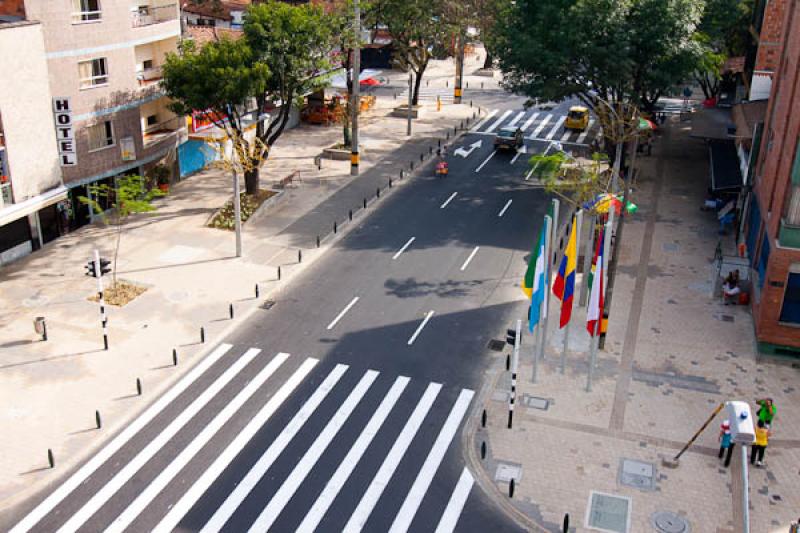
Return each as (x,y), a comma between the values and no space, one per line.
(148,15)
(149,74)
(157,132)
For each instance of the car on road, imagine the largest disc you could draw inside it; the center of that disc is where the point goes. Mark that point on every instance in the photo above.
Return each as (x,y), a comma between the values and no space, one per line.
(577,118)
(508,138)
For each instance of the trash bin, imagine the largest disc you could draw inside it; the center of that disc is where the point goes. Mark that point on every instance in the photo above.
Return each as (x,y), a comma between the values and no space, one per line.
(40,327)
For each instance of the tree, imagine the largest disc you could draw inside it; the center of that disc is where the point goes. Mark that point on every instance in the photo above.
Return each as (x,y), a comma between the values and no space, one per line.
(618,50)
(294,44)
(419,30)
(577,181)
(218,82)
(116,203)
(345,40)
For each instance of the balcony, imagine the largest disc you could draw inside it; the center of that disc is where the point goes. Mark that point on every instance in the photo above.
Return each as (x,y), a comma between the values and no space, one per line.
(148,15)
(155,132)
(149,76)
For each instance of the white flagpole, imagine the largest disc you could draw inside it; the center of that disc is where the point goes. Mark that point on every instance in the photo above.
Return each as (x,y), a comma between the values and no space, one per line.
(588,255)
(578,220)
(537,347)
(593,352)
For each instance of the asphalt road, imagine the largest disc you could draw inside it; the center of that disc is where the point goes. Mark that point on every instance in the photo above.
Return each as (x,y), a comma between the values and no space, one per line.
(340,408)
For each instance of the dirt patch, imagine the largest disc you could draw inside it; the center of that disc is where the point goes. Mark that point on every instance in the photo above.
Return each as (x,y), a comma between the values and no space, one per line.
(223,219)
(120,294)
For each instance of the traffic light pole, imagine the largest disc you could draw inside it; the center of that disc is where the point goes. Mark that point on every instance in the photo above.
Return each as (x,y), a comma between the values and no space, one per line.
(514,362)
(103,319)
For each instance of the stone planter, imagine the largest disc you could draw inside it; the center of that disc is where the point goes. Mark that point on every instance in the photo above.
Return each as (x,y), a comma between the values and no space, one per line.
(402,111)
(337,154)
(486,72)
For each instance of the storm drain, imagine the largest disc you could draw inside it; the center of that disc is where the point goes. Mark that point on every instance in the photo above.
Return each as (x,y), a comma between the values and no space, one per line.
(637,474)
(534,402)
(496,345)
(507,471)
(268,304)
(608,512)
(669,522)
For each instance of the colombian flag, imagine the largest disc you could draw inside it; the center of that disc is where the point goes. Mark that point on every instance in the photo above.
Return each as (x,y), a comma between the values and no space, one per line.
(564,284)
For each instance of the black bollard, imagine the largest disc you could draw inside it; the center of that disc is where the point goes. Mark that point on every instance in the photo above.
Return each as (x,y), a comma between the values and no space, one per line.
(334,227)
(439,143)
(411,165)
(447,83)
(467,87)
(510,419)
(202,334)
(299,256)
(401,173)
(481,85)
(508,362)
(279,273)
(378,192)
(421,158)
(448,136)
(390,183)
(565,527)
(483,450)
(317,241)
(174,357)
(350,214)
(97,419)
(483,419)
(365,202)
(257,292)
(50,458)
(395,96)
(138,386)
(474,115)
(511,488)
(455,130)
(230,310)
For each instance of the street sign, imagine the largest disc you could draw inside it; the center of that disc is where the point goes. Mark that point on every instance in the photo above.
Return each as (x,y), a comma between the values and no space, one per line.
(65,134)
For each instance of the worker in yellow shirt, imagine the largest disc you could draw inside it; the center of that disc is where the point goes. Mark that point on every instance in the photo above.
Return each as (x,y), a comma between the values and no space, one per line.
(760,446)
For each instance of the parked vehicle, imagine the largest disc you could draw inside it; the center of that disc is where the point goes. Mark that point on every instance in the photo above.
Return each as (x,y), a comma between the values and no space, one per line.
(509,138)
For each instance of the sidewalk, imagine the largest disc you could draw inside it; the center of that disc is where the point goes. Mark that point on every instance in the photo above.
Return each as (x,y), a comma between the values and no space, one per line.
(674,352)
(51,390)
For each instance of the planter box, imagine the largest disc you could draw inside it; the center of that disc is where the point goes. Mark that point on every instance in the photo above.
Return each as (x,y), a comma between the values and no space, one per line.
(402,111)
(337,154)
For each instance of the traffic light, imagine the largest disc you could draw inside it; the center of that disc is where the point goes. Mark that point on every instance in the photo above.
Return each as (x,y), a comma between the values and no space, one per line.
(105,266)
(511,337)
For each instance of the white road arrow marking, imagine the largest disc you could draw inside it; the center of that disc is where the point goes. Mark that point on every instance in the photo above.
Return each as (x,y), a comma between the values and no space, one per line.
(485,161)
(520,150)
(466,153)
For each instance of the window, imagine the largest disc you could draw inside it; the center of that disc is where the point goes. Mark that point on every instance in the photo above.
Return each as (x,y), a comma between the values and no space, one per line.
(152,120)
(790,312)
(85,10)
(147,64)
(793,205)
(93,72)
(101,135)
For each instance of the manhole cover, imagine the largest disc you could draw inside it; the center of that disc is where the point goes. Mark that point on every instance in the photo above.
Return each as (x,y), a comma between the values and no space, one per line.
(608,512)
(669,522)
(535,402)
(496,345)
(637,474)
(507,471)
(268,304)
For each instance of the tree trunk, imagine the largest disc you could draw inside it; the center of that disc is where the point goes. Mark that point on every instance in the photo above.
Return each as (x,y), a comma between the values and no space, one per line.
(489,61)
(251,179)
(417,83)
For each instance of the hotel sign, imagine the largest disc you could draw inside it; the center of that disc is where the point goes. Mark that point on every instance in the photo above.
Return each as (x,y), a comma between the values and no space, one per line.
(65,132)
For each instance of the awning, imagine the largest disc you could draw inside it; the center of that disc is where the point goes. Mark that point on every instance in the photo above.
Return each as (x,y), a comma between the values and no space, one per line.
(338,81)
(712,123)
(27,207)
(725,172)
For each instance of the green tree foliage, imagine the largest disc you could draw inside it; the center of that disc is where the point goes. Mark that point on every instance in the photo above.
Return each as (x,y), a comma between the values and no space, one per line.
(723,32)
(577,181)
(281,57)
(618,50)
(116,203)
(419,30)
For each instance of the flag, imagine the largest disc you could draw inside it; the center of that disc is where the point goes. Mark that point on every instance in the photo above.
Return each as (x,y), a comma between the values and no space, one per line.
(534,282)
(594,311)
(594,263)
(564,285)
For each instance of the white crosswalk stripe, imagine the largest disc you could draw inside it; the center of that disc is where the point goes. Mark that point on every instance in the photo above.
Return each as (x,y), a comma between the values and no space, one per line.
(540,127)
(530,120)
(178,472)
(557,126)
(546,126)
(499,121)
(486,119)
(133,466)
(582,136)
(445,94)
(513,123)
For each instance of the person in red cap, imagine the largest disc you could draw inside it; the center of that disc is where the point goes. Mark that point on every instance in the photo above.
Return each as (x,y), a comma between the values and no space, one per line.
(725,441)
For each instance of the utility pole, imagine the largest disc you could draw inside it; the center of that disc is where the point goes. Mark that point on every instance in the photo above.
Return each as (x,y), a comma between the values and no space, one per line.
(459,68)
(355,106)
(410,99)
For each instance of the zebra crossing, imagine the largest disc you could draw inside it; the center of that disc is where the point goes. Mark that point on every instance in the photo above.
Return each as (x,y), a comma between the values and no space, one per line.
(445,94)
(210,464)
(537,125)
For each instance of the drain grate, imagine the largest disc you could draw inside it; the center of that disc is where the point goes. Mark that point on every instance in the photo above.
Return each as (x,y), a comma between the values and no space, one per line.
(496,345)
(608,512)
(669,522)
(268,304)
(535,402)
(637,474)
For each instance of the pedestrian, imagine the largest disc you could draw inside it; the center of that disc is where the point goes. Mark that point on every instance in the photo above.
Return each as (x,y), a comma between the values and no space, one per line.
(730,289)
(726,442)
(760,446)
(766,411)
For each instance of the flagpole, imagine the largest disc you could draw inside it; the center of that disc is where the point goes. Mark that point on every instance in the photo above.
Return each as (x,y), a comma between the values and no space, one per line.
(550,239)
(587,261)
(546,299)
(536,346)
(593,352)
(607,243)
(578,220)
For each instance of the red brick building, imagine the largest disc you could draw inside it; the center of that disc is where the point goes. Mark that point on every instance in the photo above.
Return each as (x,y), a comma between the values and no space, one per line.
(773,224)
(769,28)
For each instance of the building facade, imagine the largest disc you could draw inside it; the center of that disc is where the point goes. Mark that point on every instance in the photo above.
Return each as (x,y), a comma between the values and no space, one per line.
(772,232)
(768,26)
(104,58)
(32,194)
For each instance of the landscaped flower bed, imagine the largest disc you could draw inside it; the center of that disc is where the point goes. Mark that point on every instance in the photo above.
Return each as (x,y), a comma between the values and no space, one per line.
(223,219)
